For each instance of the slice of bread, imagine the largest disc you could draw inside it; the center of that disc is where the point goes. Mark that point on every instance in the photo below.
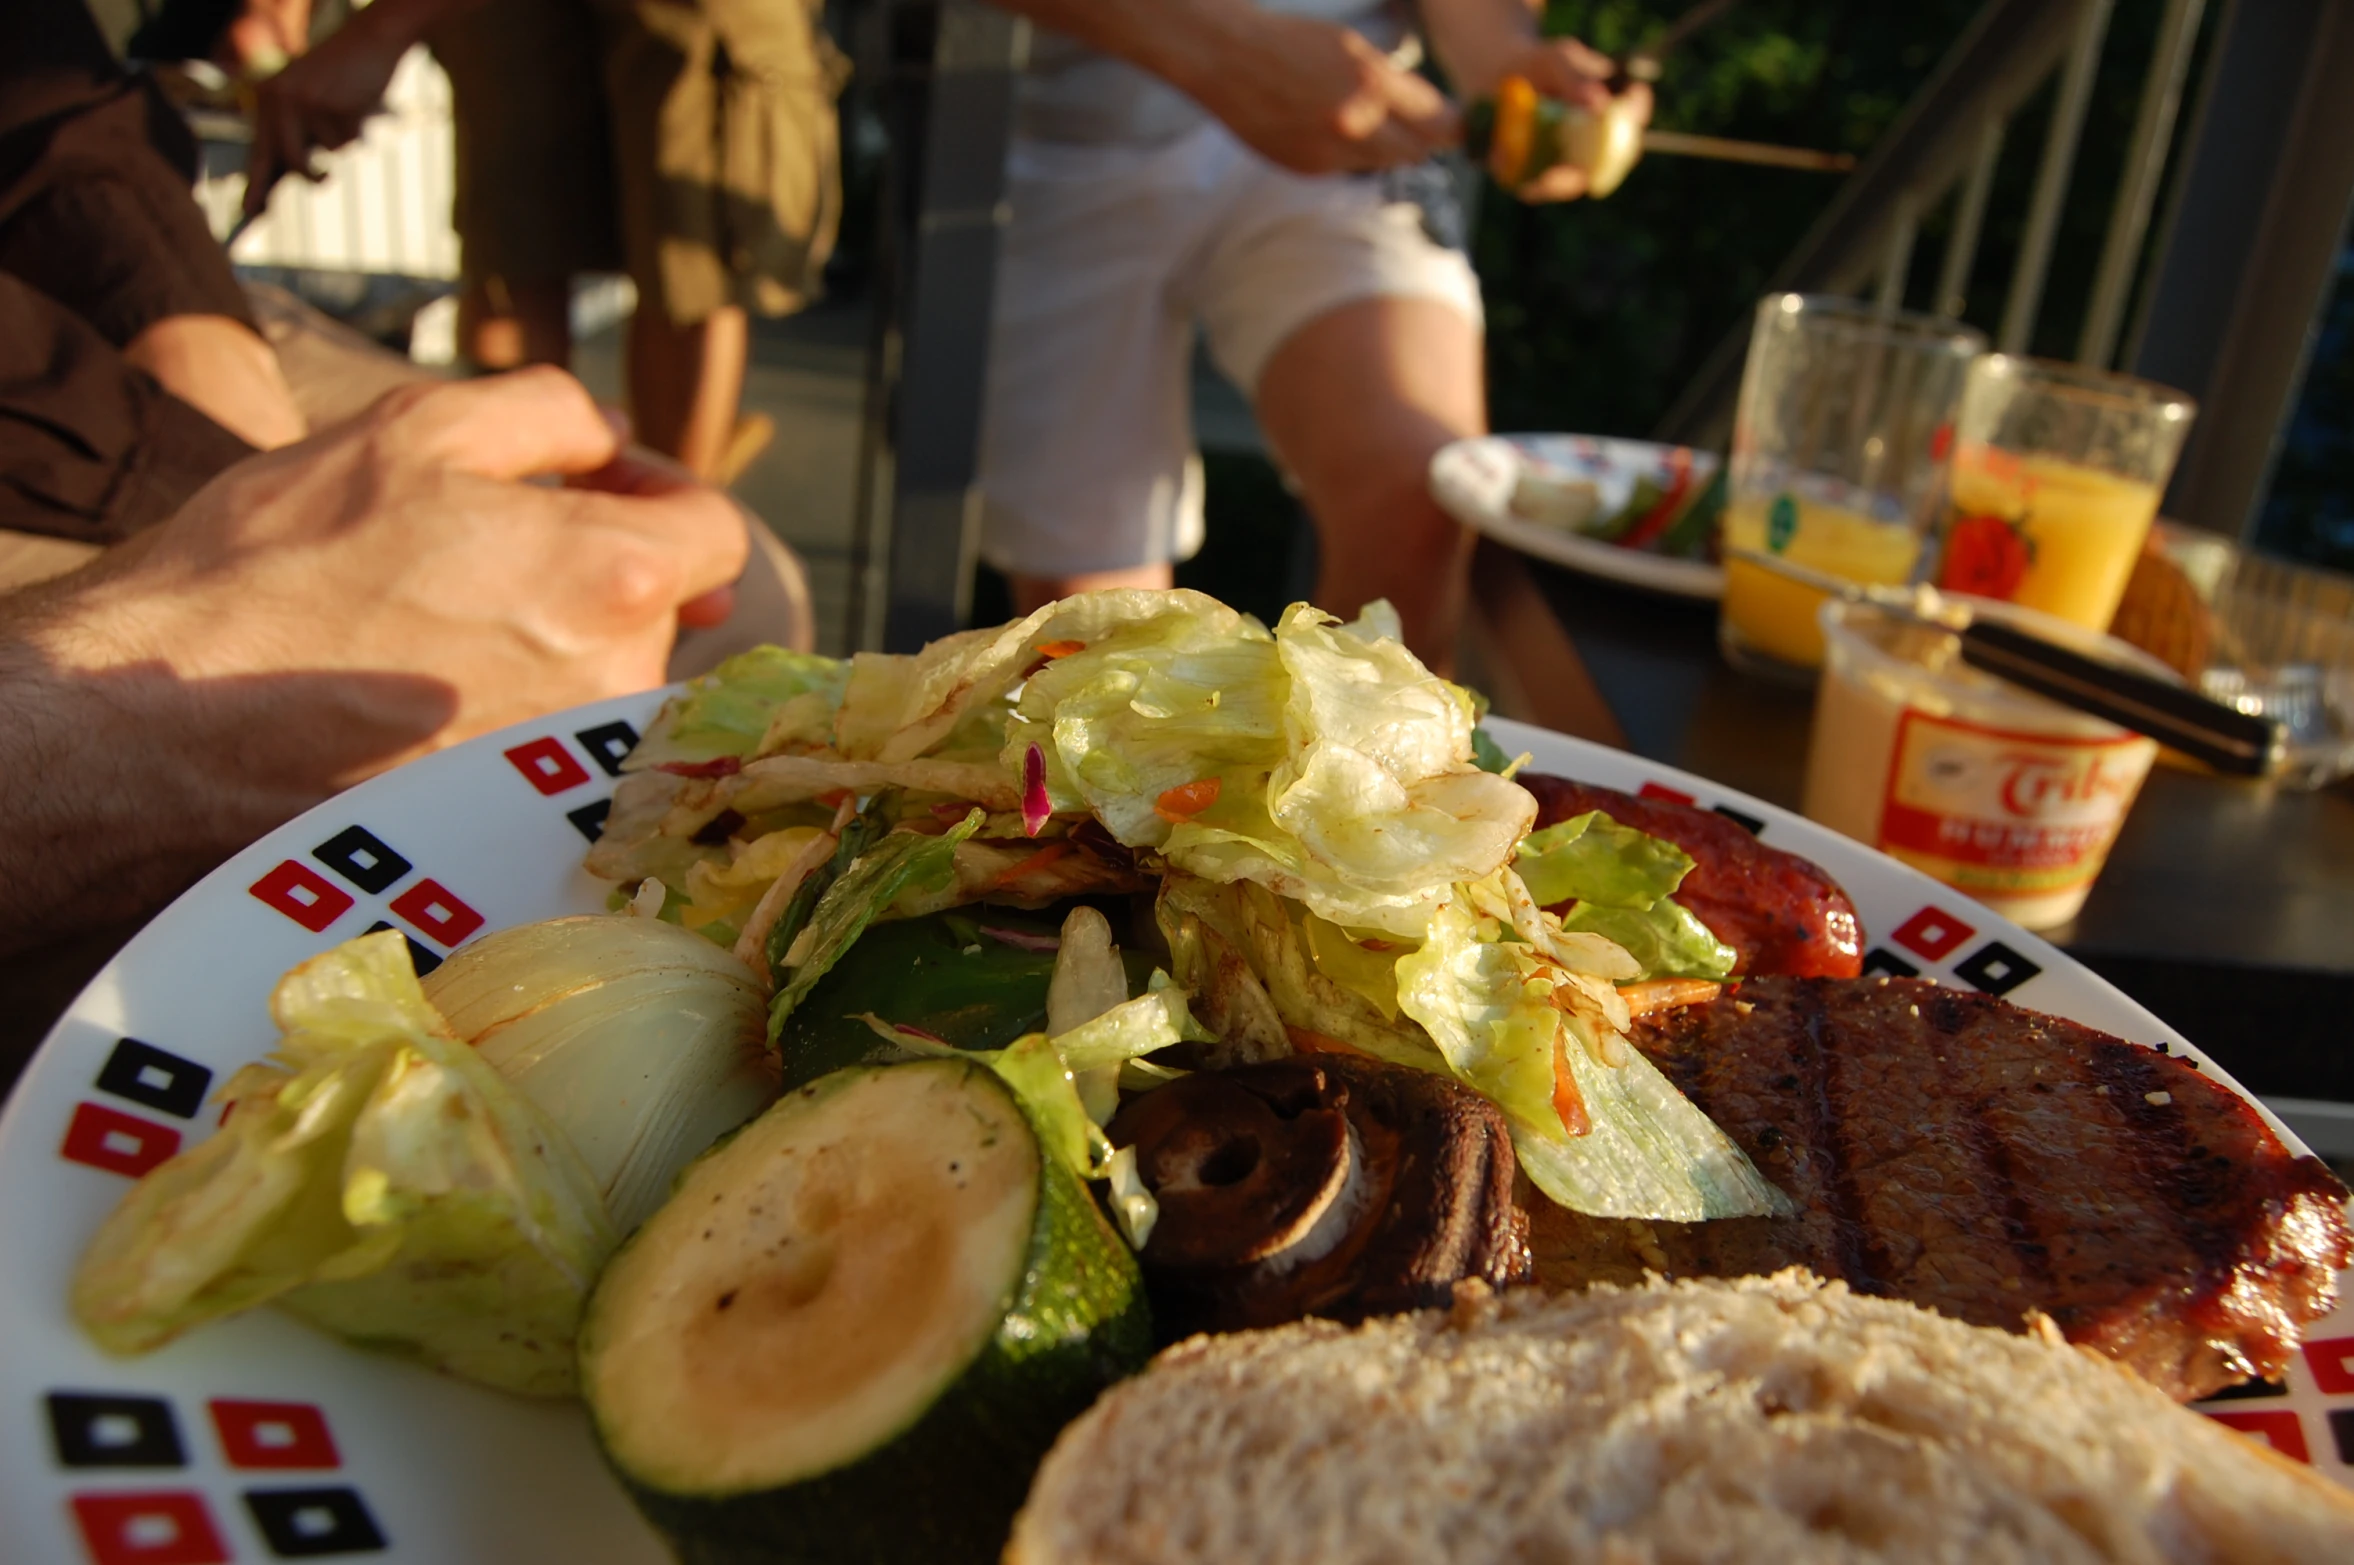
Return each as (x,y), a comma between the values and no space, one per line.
(1762,1419)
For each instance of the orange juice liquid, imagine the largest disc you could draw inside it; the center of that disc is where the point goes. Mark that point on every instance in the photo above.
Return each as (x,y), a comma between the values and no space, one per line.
(1776,615)
(2074,533)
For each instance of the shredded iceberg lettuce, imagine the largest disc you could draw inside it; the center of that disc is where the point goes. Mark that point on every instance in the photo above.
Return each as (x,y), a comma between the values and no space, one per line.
(1247,949)
(902,861)
(377,1178)
(1597,1127)
(731,710)
(1339,770)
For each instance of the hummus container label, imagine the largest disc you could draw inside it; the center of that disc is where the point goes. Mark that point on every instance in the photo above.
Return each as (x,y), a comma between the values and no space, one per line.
(2002,813)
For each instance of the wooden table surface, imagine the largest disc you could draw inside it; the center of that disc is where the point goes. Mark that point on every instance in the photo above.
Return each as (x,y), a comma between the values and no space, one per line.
(2227,906)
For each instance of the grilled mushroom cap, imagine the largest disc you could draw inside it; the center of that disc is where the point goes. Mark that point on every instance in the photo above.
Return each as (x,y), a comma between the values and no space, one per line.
(1325,1185)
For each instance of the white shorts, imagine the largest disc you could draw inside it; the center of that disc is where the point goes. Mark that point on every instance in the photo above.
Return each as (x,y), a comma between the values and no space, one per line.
(1113,254)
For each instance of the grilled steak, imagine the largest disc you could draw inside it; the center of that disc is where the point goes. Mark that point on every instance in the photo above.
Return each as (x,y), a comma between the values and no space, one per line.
(1961,1153)
(1779,912)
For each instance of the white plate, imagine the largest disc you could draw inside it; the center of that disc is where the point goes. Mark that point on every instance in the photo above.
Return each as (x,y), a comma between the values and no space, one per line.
(1474,480)
(259,1429)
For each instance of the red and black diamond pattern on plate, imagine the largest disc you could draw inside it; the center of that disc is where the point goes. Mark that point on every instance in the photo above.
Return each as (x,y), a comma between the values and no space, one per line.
(103,1137)
(306,1523)
(113,1429)
(273,1434)
(106,1138)
(551,768)
(1933,934)
(149,1527)
(2331,1361)
(367,862)
(155,1078)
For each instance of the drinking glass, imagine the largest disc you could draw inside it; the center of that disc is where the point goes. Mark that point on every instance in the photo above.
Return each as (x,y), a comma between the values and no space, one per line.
(1839,447)
(2056,475)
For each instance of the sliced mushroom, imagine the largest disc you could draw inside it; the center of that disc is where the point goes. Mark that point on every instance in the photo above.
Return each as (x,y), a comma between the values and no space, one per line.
(1325,1185)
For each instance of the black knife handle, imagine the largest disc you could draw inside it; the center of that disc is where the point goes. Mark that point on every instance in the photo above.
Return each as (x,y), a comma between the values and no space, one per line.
(2239,743)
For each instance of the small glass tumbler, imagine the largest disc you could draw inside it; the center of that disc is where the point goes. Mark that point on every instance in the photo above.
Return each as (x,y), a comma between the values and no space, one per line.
(2056,476)
(1839,448)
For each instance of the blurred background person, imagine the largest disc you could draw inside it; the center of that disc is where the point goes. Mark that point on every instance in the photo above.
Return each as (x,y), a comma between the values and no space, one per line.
(690,143)
(1209,163)
(130,366)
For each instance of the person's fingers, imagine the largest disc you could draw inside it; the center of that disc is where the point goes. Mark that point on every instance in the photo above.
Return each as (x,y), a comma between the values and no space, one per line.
(1591,61)
(1425,112)
(635,470)
(1389,145)
(330,128)
(522,424)
(265,164)
(1640,97)
(709,611)
(1561,182)
(1568,71)
(639,556)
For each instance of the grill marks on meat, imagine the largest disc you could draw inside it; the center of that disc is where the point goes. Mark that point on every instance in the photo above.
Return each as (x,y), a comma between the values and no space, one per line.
(1780,913)
(1959,1152)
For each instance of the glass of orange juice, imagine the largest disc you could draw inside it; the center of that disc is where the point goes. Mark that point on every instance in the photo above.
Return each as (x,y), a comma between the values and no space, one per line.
(2056,475)
(1839,447)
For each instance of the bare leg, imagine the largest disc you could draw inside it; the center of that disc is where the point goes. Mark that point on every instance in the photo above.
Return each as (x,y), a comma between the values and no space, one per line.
(1355,404)
(1032,593)
(222,367)
(686,383)
(504,325)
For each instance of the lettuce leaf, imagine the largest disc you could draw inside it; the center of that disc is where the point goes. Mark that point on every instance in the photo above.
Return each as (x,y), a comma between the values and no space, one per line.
(1664,938)
(1214,929)
(1343,769)
(898,706)
(1623,882)
(1592,858)
(375,1177)
(1509,1020)
(901,861)
(728,712)
(1152,1021)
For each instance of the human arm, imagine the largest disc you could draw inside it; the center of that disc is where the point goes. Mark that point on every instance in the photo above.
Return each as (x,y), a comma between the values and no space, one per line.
(317,614)
(322,99)
(1309,95)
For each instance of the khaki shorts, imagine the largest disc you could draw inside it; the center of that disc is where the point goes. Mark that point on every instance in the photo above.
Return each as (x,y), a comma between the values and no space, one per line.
(691,143)
(1115,253)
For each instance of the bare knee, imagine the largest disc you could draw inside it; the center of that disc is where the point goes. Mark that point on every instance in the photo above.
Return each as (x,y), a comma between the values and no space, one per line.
(1032,593)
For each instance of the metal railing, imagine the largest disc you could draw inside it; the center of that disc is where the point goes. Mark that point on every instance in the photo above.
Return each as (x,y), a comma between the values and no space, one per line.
(1946,146)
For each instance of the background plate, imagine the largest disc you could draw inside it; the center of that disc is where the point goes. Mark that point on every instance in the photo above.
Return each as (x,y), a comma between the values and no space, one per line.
(1474,479)
(258,1439)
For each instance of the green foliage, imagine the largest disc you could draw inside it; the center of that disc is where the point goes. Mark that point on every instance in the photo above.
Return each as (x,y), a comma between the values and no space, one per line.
(2310,512)
(1599,313)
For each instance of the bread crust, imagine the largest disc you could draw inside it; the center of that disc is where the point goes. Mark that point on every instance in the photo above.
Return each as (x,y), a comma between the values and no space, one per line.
(1758,1419)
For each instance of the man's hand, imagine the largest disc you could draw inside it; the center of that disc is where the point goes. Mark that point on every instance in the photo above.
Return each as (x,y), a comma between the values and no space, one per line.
(319,613)
(1316,98)
(1565,69)
(1311,96)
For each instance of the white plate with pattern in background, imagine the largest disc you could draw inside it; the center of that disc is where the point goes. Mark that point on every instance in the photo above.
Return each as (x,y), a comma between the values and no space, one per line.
(1482,484)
